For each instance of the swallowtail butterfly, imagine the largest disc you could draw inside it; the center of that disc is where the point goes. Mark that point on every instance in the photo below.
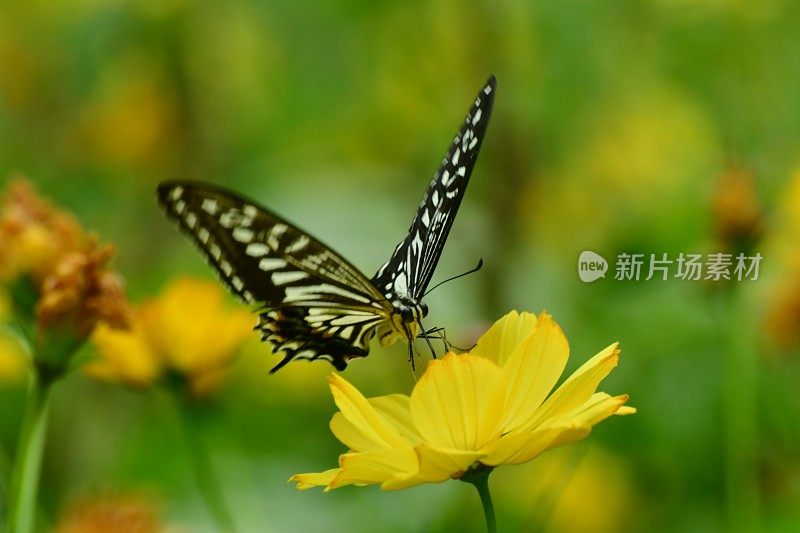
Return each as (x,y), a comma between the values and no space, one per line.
(312,303)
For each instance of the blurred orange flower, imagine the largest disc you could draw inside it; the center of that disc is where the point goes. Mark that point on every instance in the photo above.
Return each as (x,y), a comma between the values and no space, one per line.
(34,233)
(81,292)
(188,330)
(738,217)
(120,514)
(58,276)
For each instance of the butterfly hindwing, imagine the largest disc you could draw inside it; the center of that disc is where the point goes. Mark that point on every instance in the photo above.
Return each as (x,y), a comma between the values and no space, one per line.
(315,303)
(411,266)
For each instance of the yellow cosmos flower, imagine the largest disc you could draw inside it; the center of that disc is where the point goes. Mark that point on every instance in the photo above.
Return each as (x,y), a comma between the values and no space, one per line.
(472,412)
(188,330)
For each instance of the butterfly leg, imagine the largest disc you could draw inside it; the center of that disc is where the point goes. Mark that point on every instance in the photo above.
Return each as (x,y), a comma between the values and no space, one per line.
(410,350)
(437,333)
(425,335)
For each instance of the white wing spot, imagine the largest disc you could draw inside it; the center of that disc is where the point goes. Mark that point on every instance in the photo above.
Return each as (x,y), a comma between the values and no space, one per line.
(425,219)
(488,89)
(312,292)
(210,206)
(180,205)
(449,181)
(237,283)
(346,332)
(191,219)
(462,170)
(282,278)
(257,249)
(176,193)
(250,211)
(347,320)
(435,198)
(215,251)
(243,235)
(226,267)
(203,234)
(275,234)
(445,177)
(298,244)
(416,244)
(477,116)
(271,263)
(473,142)
(456,155)
(401,284)
(452,194)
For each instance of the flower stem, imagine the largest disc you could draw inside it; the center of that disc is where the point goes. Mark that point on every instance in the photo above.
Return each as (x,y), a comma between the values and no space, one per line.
(205,477)
(480,479)
(28,461)
(740,400)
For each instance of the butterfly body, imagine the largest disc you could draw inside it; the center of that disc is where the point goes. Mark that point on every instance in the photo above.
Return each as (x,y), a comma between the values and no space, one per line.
(312,303)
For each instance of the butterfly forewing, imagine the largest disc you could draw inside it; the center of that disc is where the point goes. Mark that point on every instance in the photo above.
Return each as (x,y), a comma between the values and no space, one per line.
(315,303)
(411,266)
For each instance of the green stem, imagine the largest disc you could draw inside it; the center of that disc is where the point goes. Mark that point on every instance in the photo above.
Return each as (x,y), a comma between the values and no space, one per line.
(480,479)
(740,400)
(28,461)
(205,477)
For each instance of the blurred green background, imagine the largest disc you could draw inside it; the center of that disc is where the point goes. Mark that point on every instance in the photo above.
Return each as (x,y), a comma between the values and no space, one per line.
(619,126)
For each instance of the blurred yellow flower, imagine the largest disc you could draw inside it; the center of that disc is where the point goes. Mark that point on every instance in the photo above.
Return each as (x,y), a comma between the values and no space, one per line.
(13,362)
(187,329)
(491,407)
(782,309)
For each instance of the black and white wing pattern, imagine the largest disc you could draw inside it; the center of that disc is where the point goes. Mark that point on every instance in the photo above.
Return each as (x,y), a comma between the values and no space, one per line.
(313,303)
(411,266)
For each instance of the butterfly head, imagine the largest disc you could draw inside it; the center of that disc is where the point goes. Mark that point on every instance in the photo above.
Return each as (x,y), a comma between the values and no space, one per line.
(409,310)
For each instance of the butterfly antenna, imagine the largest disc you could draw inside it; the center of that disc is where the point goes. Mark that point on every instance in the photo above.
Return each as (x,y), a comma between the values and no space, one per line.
(468,272)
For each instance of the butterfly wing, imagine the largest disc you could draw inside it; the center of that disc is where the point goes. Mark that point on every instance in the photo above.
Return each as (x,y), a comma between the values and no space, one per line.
(411,266)
(313,302)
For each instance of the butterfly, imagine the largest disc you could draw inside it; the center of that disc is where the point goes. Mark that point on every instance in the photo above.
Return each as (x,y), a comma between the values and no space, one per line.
(312,303)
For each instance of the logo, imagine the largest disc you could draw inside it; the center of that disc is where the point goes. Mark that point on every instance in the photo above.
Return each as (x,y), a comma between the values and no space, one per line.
(591,266)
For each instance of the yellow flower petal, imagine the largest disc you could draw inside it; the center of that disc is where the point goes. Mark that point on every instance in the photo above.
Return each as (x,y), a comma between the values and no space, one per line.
(440,464)
(599,407)
(455,404)
(373,467)
(396,411)
(531,372)
(519,448)
(578,388)
(319,479)
(392,409)
(504,335)
(368,429)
